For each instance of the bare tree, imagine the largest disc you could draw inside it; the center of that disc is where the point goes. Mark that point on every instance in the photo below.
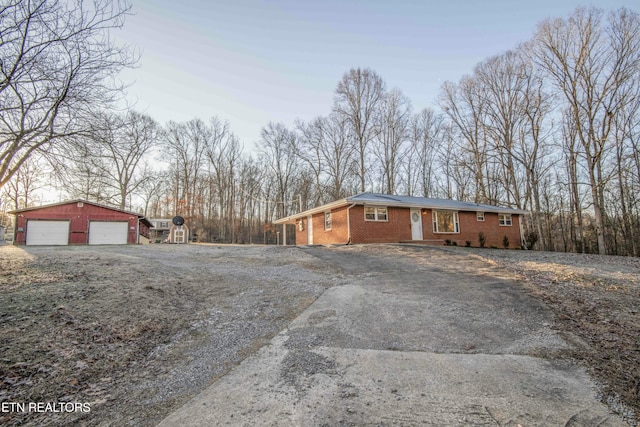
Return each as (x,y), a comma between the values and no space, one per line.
(504,79)
(592,64)
(79,173)
(310,149)
(122,141)
(339,158)
(425,136)
(465,105)
(325,147)
(357,97)
(20,189)
(152,187)
(58,64)
(224,153)
(185,147)
(391,137)
(278,149)
(534,149)
(105,163)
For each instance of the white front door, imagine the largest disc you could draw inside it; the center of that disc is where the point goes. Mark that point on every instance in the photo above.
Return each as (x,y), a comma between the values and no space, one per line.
(416,224)
(310,230)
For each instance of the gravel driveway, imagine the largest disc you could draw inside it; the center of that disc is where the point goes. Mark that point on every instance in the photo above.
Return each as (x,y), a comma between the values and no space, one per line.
(349,335)
(408,336)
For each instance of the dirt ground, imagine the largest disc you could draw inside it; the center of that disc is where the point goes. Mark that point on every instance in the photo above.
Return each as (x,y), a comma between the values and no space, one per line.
(595,299)
(136,331)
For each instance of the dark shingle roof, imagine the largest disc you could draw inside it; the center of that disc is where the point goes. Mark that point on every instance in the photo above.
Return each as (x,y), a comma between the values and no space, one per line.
(403,201)
(426,202)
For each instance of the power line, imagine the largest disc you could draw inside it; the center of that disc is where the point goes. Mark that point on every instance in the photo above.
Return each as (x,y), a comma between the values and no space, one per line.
(290,202)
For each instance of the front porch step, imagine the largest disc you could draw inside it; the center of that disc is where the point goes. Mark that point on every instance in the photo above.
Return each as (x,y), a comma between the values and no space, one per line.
(433,242)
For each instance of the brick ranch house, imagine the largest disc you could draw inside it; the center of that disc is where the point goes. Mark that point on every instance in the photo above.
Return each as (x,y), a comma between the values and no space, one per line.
(381,218)
(79,222)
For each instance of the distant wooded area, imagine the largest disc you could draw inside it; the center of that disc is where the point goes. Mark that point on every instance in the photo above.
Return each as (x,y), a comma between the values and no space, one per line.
(552,127)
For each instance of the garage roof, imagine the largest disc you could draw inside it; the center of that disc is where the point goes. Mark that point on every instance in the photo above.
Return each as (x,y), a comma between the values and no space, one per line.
(377,199)
(141,217)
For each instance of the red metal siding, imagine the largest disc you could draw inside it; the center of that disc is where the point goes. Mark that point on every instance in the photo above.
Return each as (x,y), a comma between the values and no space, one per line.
(79,218)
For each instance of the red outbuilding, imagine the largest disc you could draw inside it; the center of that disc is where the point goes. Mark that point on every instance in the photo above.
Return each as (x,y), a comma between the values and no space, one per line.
(79,222)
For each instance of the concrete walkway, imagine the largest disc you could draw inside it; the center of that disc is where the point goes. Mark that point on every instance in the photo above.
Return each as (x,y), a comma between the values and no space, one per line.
(410,336)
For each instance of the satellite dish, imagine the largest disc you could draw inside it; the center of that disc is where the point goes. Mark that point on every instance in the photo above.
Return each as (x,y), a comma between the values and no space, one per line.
(177,220)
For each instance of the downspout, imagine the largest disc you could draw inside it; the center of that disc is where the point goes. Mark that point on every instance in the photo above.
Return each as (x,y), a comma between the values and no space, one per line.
(349,224)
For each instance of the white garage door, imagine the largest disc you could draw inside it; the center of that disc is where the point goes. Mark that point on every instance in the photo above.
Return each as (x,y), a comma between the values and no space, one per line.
(108,233)
(47,232)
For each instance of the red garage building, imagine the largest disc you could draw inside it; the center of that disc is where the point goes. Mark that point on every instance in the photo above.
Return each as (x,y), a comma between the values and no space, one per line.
(79,222)
(385,218)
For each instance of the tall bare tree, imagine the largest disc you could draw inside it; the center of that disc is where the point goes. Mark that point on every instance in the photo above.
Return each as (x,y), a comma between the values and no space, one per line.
(310,149)
(122,141)
(390,144)
(106,163)
(278,149)
(592,61)
(185,146)
(153,186)
(58,63)
(224,152)
(21,188)
(339,158)
(425,136)
(357,98)
(465,105)
(504,79)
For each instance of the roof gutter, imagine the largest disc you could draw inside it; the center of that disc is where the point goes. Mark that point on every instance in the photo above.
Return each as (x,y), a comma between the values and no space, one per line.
(292,218)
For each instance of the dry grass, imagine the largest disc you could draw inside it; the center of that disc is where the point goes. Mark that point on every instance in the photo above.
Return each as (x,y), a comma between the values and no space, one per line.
(597,300)
(83,324)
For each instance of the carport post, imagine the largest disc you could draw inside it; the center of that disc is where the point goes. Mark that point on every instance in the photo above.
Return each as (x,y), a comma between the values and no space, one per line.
(284,234)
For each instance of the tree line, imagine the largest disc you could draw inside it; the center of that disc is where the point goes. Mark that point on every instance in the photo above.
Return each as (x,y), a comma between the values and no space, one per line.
(550,127)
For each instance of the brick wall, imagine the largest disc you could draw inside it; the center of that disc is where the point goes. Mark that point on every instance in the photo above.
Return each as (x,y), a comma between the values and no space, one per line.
(398,228)
(470,228)
(338,233)
(301,235)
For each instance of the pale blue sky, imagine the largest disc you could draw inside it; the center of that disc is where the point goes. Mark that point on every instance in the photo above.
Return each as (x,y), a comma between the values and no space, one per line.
(251,62)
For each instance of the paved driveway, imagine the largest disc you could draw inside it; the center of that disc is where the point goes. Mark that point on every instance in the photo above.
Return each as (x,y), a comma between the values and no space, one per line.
(407,336)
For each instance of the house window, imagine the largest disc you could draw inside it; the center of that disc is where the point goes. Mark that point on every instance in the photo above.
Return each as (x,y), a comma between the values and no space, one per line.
(375,214)
(505,220)
(480,216)
(327,220)
(164,224)
(445,222)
